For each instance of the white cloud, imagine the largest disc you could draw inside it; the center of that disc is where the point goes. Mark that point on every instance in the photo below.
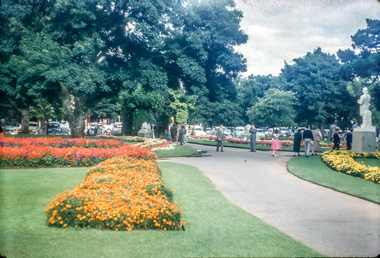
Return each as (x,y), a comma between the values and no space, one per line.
(286,29)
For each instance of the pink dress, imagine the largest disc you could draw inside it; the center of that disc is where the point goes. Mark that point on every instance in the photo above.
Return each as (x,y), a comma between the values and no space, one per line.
(276,145)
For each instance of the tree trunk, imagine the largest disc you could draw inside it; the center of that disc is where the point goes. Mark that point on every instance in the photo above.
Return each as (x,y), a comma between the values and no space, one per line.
(323,129)
(74,112)
(24,120)
(127,122)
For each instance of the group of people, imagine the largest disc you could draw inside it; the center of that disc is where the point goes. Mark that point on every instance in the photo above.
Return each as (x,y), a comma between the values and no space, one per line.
(171,135)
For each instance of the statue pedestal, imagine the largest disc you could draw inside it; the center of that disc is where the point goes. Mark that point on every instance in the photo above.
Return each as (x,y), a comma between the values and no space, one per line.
(145,134)
(364,140)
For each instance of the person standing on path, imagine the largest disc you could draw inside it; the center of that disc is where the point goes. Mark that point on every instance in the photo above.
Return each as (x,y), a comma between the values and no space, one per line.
(173,132)
(183,135)
(253,131)
(317,137)
(276,145)
(349,140)
(336,140)
(297,143)
(377,132)
(219,138)
(307,139)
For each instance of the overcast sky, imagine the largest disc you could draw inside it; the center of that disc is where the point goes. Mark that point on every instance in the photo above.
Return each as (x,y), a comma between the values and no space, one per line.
(281,30)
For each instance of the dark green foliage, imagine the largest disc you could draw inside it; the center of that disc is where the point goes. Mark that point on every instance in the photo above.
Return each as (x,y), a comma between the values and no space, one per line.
(320,92)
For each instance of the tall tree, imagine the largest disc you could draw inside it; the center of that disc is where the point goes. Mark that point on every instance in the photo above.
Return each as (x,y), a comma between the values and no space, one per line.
(275,108)
(320,92)
(362,64)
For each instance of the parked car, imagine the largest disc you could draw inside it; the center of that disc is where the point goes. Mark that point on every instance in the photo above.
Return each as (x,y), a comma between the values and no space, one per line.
(107,129)
(226,132)
(198,131)
(117,128)
(33,127)
(259,133)
(65,126)
(11,127)
(238,131)
(53,127)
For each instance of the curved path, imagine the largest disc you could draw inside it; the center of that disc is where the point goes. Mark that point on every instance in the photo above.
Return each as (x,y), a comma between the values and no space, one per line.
(332,223)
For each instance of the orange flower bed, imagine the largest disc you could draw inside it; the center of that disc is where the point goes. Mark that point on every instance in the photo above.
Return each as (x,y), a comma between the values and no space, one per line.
(118,194)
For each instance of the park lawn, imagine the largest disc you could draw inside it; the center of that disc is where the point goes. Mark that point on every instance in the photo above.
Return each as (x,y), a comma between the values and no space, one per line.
(214,226)
(246,146)
(180,151)
(313,169)
(370,162)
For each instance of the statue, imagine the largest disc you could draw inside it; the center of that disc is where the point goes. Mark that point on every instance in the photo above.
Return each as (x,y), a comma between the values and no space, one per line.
(247,127)
(146,127)
(364,138)
(364,109)
(145,131)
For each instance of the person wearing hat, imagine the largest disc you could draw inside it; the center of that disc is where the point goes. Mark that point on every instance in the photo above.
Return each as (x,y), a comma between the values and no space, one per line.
(336,140)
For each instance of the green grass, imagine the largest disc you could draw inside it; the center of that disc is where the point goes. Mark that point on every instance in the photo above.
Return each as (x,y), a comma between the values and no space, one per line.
(246,146)
(314,170)
(180,151)
(214,226)
(370,162)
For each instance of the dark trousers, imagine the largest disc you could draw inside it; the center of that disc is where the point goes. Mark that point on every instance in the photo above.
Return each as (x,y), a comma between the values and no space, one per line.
(219,144)
(349,146)
(336,146)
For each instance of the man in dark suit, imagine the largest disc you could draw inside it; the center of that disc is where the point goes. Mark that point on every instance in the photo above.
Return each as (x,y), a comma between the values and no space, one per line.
(307,139)
(219,138)
(336,140)
(253,131)
(349,140)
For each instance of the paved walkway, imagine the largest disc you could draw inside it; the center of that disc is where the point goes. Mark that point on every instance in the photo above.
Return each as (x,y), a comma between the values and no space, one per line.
(332,223)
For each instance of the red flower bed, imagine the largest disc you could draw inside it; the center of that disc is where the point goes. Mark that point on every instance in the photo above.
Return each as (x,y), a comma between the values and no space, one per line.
(61,142)
(39,153)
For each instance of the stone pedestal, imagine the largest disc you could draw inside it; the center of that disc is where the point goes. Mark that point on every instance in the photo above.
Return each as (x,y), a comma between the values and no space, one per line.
(145,134)
(364,140)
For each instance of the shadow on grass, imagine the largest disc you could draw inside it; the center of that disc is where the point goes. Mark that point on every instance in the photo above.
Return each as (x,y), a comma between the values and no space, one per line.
(214,226)
(314,170)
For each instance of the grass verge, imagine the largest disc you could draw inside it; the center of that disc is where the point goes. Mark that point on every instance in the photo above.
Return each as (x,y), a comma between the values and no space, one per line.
(313,169)
(180,151)
(214,226)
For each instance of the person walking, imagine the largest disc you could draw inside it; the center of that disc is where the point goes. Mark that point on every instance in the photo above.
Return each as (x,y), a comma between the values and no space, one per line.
(253,131)
(183,135)
(219,138)
(276,145)
(307,139)
(317,137)
(336,139)
(173,132)
(349,140)
(297,142)
(377,132)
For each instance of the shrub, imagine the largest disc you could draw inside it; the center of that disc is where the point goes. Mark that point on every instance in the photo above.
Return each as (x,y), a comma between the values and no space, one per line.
(118,194)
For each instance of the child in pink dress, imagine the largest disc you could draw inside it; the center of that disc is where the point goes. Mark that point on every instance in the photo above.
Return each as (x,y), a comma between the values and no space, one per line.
(275,143)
